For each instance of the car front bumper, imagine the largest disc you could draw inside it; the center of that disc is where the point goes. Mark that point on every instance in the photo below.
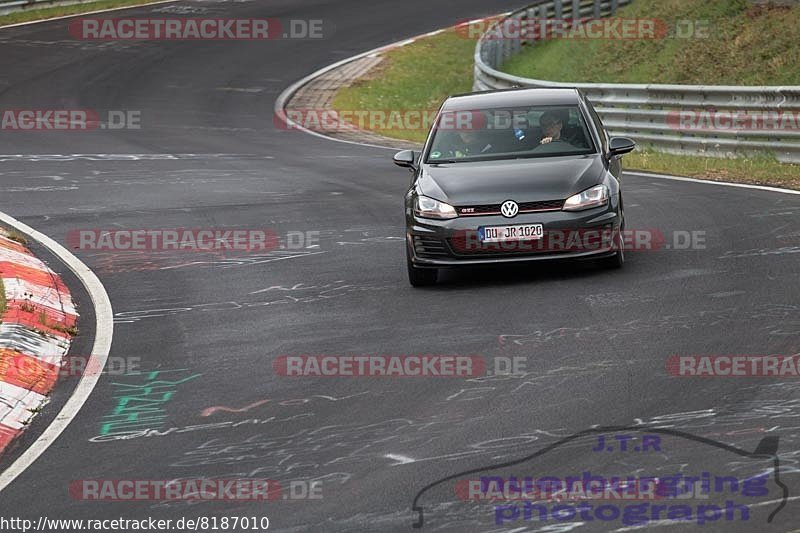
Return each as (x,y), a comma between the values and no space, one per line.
(590,234)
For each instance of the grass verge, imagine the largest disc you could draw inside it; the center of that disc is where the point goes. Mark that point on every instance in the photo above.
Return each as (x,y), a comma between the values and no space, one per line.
(59,11)
(754,170)
(418,76)
(734,43)
(422,74)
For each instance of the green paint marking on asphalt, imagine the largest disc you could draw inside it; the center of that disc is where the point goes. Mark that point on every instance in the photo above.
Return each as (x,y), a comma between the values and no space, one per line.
(140,404)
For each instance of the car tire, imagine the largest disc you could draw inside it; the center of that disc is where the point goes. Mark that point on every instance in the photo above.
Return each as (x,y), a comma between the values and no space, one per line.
(421,277)
(615,261)
(618,259)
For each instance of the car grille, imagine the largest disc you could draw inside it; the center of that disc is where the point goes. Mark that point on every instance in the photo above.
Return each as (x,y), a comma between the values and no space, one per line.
(494,209)
(459,250)
(430,247)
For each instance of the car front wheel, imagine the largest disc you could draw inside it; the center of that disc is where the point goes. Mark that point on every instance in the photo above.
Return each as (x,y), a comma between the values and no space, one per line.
(618,259)
(615,261)
(420,277)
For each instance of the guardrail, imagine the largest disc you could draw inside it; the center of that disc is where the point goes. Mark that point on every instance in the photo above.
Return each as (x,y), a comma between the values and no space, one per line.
(15,6)
(9,6)
(695,119)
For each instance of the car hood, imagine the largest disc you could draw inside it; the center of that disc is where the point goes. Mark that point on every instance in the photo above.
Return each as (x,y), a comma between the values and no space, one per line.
(521,180)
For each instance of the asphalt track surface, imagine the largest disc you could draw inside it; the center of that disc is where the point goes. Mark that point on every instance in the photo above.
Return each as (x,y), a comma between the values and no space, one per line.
(594,341)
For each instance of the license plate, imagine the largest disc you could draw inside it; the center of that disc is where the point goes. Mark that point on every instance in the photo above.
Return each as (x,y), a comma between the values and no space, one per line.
(519,232)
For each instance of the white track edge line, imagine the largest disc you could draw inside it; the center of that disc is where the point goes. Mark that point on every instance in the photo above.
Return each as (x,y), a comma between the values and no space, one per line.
(100,350)
(710,182)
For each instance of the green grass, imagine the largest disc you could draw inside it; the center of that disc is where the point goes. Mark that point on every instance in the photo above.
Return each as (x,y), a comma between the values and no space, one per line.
(60,11)
(16,236)
(422,74)
(746,45)
(756,170)
(418,76)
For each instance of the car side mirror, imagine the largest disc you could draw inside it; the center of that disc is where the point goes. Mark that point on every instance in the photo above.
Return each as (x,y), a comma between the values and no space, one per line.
(405,159)
(620,146)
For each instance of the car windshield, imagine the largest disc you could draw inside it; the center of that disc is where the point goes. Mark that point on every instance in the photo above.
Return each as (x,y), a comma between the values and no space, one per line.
(509,133)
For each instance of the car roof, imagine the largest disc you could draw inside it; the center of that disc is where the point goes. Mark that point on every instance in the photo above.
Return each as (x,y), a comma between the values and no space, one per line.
(512,98)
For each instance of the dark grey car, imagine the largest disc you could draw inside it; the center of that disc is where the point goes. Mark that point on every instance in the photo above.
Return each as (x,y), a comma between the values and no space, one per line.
(517,175)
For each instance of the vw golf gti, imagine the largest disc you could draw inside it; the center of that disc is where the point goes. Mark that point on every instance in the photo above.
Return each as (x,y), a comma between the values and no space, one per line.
(514,175)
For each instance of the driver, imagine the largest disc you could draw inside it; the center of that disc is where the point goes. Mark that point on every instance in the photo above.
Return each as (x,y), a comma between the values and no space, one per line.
(551,124)
(465,143)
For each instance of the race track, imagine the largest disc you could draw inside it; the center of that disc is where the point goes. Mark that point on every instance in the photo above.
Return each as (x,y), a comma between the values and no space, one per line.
(595,342)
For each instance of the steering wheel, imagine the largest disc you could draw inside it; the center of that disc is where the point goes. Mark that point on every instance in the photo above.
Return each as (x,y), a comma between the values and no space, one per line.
(551,143)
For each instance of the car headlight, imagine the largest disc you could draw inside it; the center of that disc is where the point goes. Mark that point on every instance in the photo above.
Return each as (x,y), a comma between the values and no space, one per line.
(594,197)
(429,208)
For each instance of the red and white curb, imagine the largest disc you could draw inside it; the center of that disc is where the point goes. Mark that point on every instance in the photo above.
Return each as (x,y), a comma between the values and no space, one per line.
(35,335)
(103,335)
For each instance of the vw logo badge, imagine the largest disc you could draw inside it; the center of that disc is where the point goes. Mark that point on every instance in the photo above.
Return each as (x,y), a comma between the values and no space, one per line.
(509,209)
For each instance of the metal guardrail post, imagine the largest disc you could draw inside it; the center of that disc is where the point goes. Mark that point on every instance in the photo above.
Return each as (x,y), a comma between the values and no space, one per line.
(498,51)
(530,19)
(543,11)
(516,39)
